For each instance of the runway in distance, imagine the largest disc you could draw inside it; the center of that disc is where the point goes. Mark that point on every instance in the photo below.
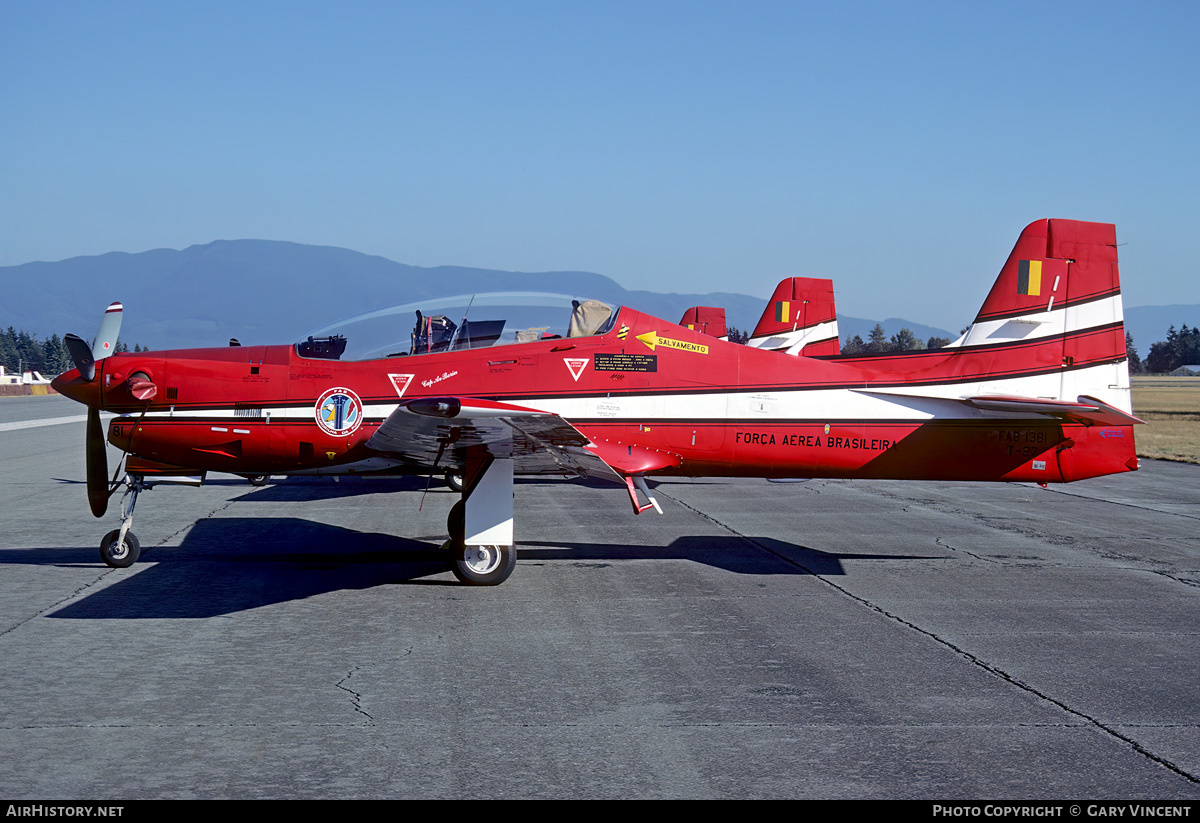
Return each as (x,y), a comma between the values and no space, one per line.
(493,386)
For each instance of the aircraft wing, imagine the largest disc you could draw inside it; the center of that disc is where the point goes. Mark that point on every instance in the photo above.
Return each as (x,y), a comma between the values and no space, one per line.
(441,431)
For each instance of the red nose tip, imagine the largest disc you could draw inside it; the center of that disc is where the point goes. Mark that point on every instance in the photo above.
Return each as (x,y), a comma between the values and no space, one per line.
(75,387)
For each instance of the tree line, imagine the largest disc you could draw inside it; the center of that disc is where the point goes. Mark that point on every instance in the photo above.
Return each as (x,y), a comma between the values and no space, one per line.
(21,351)
(1181,348)
(878,342)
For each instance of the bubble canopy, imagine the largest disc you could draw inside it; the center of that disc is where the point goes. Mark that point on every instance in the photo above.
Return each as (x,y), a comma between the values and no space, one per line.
(464,321)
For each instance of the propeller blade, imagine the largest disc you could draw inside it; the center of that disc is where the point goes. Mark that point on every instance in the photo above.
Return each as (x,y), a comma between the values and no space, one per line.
(97,464)
(81,356)
(110,325)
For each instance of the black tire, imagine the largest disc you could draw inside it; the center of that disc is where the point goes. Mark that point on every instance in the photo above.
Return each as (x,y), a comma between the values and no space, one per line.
(120,557)
(259,479)
(456,523)
(455,481)
(483,565)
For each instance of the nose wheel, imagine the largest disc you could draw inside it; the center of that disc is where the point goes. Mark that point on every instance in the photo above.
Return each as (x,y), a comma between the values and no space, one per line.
(120,552)
(120,548)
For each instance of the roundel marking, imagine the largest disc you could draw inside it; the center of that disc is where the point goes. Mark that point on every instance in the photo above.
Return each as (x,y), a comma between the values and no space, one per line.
(339,412)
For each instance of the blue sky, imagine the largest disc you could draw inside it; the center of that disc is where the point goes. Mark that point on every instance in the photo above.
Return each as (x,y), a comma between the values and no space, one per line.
(898,148)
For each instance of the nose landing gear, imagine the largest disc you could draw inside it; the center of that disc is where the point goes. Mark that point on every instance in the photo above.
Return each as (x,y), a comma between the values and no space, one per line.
(120,548)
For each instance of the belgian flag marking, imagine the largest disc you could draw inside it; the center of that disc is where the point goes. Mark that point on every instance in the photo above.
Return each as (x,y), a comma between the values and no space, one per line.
(781,311)
(1029,277)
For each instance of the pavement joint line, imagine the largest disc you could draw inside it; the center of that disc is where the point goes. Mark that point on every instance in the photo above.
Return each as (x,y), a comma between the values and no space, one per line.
(107,571)
(67,599)
(184,528)
(1193,583)
(1138,506)
(674,724)
(1058,491)
(966,655)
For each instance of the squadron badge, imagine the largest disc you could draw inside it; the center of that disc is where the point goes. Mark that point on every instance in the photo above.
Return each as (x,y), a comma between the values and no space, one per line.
(339,412)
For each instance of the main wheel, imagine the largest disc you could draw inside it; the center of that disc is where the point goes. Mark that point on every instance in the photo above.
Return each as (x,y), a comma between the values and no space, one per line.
(483,565)
(120,555)
(259,479)
(455,481)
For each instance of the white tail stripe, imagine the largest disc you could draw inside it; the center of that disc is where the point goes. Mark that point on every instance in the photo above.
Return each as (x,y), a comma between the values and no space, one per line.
(1043,324)
(797,337)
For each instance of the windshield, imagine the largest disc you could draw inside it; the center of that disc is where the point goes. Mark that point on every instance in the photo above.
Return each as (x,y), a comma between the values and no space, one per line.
(461,322)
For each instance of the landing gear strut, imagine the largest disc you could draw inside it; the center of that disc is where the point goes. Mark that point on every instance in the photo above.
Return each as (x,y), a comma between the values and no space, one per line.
(120,548)
(480,528)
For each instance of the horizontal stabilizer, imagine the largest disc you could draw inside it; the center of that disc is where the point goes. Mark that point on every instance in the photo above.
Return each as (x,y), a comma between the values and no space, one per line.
(1086,410)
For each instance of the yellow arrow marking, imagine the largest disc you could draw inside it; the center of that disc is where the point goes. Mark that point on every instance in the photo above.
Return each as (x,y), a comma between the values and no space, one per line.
(652,339)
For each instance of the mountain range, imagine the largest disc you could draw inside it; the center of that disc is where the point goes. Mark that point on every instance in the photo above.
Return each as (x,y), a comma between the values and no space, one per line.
(270,291)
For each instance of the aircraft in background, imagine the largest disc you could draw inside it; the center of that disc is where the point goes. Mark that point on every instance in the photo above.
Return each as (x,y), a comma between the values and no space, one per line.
(1037,389)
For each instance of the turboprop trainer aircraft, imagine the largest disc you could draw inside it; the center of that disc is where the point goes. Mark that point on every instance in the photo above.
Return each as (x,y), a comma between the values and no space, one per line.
(1037,389)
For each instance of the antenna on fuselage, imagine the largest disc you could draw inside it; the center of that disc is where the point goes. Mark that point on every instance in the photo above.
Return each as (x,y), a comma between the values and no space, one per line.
(462,325)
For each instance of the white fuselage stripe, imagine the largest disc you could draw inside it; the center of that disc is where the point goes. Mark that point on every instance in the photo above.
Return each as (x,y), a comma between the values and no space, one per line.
(1108,382)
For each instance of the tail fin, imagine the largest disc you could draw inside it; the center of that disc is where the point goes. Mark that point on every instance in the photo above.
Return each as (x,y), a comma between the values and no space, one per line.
(1060,287)
(800,318)
(706,320)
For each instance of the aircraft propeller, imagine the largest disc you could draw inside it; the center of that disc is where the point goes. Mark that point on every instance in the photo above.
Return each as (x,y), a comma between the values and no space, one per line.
(85,363)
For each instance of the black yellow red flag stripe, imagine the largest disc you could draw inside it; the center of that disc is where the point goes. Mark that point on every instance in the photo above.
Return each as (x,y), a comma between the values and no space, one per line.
(1029,277)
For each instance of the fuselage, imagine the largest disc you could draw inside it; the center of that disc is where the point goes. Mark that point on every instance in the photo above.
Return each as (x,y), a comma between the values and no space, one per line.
(653,397)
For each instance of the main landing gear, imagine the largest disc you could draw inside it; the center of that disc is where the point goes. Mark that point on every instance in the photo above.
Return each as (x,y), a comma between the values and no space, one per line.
(480,528)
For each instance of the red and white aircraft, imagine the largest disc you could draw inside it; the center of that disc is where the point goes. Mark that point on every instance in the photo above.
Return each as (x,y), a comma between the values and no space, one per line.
(1037,389)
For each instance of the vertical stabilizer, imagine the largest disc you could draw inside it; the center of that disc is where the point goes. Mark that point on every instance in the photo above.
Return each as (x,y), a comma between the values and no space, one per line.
(800,318)
(706,320)
(1057,303)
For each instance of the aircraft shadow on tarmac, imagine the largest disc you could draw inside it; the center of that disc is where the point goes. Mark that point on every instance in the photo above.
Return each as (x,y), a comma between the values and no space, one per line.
(292,489)
(227,565)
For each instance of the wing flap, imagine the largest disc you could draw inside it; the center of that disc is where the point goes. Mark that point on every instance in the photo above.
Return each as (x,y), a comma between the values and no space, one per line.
(441,431)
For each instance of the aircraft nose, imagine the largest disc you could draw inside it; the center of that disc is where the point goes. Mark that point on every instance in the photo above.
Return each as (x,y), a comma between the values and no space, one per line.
(70,384)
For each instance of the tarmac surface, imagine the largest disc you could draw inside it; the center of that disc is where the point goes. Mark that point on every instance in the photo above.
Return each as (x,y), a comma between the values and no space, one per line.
(819,639)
